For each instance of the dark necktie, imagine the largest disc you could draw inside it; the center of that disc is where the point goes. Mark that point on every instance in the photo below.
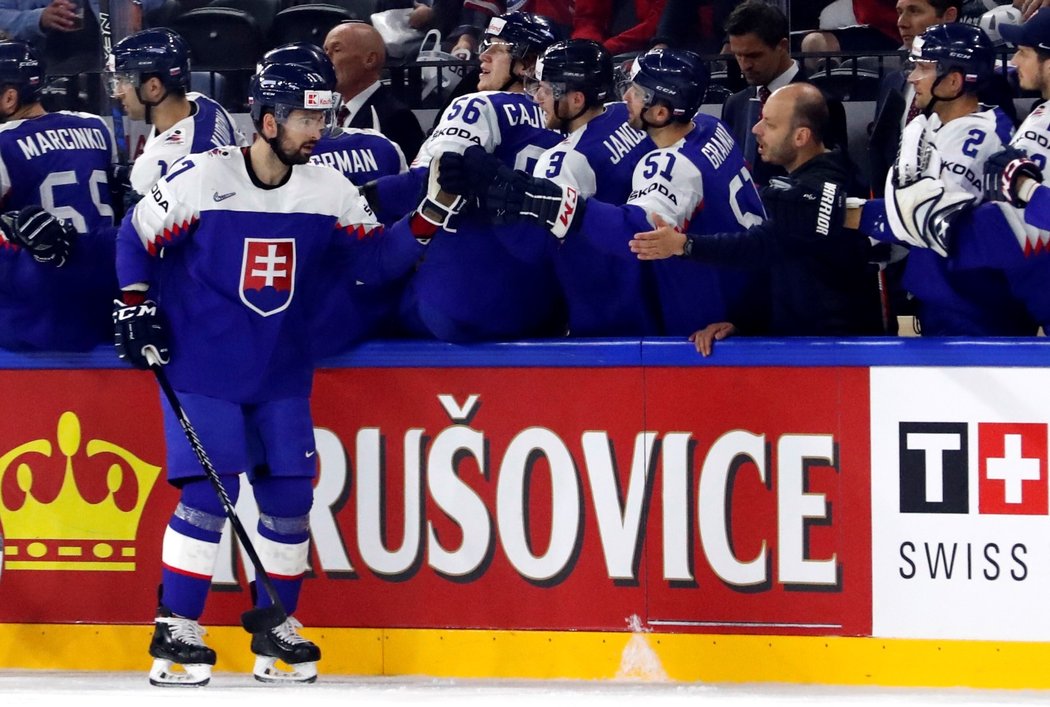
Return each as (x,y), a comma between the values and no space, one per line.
(763,94)
(913,109)
(341,115)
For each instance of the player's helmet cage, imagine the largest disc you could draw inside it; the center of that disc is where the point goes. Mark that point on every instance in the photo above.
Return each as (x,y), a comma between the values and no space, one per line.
(156,52)
(678,78)
(524,33)
(22,68)
(283,88)
(955,46)
(574,65)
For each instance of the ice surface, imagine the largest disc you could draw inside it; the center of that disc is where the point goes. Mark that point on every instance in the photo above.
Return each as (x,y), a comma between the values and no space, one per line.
(82,689)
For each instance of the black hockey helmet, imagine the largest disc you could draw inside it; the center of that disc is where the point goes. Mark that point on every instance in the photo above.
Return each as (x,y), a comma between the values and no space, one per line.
(575,65)
(526,34)
(156,52)
(21,67)
(305,53)
(955,46)
(282,88)
(676,77)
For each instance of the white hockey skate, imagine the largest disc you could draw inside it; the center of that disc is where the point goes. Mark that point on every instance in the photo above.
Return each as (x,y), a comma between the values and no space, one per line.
(285,644)
(179,642)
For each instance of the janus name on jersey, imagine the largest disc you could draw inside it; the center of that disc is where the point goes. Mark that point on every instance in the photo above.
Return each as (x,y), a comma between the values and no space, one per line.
(583,485)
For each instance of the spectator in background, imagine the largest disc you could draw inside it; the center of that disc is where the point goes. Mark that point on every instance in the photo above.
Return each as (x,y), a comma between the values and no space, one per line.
(476,14)
(359,54)
(66,28)
(695,25)
(758,38)
(863,25)
(603,20)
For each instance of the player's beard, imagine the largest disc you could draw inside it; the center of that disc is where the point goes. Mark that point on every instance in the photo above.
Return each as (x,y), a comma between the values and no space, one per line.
(300,155)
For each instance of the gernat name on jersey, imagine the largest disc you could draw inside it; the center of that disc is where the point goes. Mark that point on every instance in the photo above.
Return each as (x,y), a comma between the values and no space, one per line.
(36,144)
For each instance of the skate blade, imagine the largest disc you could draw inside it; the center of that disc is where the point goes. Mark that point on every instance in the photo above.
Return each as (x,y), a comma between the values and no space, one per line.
(191,675)
(266,670)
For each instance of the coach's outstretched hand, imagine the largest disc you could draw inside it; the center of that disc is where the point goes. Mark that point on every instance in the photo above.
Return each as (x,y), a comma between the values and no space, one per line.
(141,334)
(42,235)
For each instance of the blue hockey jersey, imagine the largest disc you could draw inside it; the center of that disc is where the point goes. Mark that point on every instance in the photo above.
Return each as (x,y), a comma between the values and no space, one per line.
(236,256)
(59,161)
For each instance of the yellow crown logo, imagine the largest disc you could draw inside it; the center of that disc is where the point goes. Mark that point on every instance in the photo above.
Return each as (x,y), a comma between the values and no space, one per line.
(69,532)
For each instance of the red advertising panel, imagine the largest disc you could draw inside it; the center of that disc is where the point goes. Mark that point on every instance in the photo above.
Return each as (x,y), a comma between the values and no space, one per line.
(720,500)
(776,537)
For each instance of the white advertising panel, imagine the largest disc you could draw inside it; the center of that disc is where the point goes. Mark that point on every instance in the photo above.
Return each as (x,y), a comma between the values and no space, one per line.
(959,496)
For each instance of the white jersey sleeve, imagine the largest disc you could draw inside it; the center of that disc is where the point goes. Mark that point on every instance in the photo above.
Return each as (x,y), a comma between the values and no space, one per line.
(666,183)
(1033,136)
(469,120)
(964,145)
(169,210)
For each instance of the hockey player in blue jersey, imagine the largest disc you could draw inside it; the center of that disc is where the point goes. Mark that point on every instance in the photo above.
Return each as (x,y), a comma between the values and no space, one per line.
(60,162)
(346,311)
(361,155)
(605,294)
(469,287)
(149,73)
(821,283)
(694,177)
(241,231)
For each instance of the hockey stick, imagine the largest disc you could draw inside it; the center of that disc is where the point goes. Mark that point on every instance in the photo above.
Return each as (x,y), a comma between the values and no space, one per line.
(253,620)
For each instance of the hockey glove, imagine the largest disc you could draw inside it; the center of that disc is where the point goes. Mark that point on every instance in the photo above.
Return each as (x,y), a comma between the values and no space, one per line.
(916,157)
(141,334)
(46,238)
(1002,175)
(921,214)
(803,212)
(468,174)
(521,197)
(437,206)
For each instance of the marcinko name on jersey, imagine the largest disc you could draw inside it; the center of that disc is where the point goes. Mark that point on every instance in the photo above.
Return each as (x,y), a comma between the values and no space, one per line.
(36,144)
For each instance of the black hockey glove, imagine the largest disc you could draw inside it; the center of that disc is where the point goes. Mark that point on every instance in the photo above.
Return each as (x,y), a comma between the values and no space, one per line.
(42,235)
(804,212)
(1002,175)
(470,173)
(141,334)
(521,197)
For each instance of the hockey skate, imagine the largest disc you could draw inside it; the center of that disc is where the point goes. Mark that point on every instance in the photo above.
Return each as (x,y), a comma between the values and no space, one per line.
(179,641)
(285,644)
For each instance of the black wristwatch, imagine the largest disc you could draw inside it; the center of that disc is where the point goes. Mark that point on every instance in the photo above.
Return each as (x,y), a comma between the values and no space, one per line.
(687,247)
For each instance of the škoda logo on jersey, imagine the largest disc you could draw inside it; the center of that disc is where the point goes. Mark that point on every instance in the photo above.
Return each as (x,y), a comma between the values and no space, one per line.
(53,519)
(268,274)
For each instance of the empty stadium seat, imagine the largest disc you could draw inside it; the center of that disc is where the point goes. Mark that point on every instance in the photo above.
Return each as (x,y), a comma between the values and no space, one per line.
(359,9)
(262,11)
(306,23)
(220,38)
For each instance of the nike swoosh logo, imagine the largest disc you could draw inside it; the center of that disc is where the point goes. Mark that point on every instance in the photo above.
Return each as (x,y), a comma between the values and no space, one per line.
(222,197)
(310,454)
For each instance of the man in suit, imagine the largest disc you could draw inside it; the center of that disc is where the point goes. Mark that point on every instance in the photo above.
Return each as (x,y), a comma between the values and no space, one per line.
(758,39)
(358,53)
